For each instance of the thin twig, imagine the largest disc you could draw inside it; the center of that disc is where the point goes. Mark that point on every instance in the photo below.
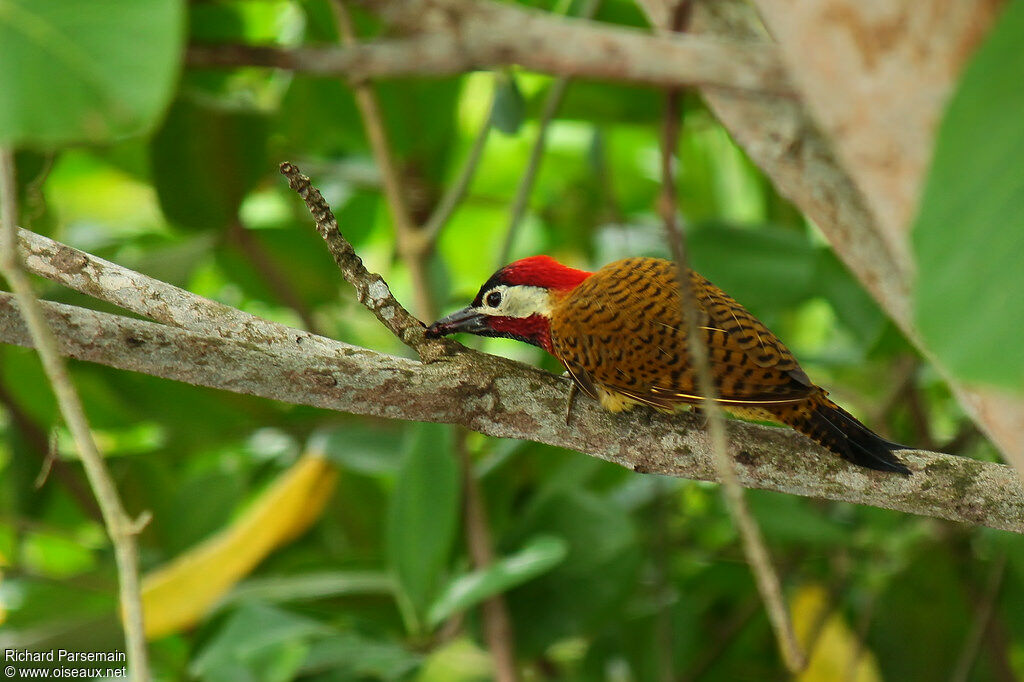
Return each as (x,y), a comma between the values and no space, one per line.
(980,624)
(753,544)
(552,103)
(457,191)
(498,626)
(37,442)
(120,527)
(411,244)
(371,289)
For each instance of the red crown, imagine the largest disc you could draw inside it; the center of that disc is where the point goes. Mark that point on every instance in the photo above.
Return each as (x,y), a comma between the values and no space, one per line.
(543,271)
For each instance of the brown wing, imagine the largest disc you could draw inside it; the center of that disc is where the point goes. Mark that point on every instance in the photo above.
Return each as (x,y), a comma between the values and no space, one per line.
(622,329)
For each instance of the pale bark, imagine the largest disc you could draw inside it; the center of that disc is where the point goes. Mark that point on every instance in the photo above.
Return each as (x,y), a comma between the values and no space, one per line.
(787,145)
(876,75)
(506,399)
(455,36)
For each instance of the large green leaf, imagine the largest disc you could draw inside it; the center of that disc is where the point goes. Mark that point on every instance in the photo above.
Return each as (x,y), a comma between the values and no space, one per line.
(539,555)
(258,644)
(597,573)
(763,269)
(205,160)
(422,521)
(85,71)
(351,654)
(969,235)
(311,586)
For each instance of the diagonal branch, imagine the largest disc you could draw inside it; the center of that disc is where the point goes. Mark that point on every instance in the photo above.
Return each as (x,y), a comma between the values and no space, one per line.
(371,289)
(506,399)
(143,295)
(121,528)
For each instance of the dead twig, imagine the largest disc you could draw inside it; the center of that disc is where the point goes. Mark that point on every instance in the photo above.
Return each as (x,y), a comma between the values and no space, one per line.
(753,543)
(371,289)
(552,103)
(456,36)
(120,527)
(981,622)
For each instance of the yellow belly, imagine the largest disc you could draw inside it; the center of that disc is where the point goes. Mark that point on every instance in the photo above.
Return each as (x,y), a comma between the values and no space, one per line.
(616,402)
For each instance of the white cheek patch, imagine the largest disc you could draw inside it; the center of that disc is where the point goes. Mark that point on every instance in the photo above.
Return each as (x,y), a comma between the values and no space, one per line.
(520,301)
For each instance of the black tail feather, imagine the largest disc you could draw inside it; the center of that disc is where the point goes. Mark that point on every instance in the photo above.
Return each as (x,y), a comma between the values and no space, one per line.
(840,432)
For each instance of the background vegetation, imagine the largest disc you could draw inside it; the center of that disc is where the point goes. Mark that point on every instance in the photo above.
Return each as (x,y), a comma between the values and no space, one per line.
(346,533)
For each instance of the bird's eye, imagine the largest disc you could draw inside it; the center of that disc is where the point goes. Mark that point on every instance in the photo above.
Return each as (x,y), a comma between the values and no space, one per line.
(493,299)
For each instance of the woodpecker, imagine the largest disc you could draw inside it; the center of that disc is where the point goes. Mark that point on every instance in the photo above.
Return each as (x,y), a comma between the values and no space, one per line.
(619,333)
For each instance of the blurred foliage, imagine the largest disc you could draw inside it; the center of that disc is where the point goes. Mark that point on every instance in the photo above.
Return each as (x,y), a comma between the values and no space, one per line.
(608,575)
(971,220)
(109,86)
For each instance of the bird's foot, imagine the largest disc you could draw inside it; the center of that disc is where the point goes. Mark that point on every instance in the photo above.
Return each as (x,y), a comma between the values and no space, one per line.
(700,412)
(573,390)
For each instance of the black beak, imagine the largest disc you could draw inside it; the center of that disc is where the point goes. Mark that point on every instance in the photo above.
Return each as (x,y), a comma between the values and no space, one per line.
(466,320)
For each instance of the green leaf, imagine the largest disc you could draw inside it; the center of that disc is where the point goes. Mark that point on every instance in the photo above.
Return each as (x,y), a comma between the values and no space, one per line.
(369,450)
(854,306)
(763,269)
(538,556)
(969,234)
(311,586)
(423,519)
(205,160)
(362,656)
(85,71)
(590,583)
(258,644)
(509,105)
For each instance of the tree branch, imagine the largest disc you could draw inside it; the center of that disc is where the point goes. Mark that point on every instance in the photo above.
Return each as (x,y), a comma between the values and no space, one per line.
(466,35)
(506,399)
(133,291)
